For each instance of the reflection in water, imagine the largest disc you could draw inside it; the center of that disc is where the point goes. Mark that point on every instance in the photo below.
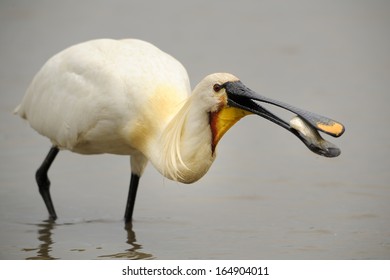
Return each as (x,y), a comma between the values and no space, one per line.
(44,250)
(46,242)
(132,253)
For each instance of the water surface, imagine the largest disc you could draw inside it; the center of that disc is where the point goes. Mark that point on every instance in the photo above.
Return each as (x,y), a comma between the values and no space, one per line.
(266,196)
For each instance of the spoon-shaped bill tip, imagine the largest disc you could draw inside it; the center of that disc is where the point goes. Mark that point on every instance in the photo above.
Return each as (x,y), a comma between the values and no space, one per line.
(312,139)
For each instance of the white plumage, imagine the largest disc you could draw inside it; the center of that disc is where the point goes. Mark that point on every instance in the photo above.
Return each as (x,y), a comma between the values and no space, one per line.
(109,96)
(127,97)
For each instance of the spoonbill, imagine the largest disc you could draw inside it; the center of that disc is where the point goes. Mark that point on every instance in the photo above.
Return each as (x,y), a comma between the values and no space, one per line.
(127,97)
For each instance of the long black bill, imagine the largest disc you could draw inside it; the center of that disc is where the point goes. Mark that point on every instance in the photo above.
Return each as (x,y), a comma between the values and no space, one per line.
(306,127)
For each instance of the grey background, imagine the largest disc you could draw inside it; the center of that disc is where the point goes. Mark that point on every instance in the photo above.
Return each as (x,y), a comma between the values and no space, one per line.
(266,196)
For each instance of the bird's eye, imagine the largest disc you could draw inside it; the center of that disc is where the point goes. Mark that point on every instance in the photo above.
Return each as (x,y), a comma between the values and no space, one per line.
(217,87)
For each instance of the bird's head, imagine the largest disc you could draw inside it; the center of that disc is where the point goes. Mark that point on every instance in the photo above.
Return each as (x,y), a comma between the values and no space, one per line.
(227,100)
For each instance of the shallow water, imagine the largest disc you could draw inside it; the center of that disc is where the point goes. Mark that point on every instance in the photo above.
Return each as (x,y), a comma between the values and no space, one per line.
(266,196)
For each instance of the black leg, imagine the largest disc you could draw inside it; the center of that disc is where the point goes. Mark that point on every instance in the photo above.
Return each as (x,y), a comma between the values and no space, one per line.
(44,182)
(131,198)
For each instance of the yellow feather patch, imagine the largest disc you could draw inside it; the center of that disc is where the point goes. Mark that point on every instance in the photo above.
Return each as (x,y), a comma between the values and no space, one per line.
(222,120)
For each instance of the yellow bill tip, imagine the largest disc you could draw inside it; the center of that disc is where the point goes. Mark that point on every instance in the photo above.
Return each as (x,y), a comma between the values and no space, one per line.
(333,128)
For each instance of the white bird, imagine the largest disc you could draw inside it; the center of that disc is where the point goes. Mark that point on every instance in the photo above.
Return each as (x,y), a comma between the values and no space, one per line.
(127,97)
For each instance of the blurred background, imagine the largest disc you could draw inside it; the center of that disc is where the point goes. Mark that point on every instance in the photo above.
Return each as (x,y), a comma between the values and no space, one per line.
(266,196)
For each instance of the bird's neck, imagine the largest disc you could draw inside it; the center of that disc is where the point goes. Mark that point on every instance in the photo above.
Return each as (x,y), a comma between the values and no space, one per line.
(184,152)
